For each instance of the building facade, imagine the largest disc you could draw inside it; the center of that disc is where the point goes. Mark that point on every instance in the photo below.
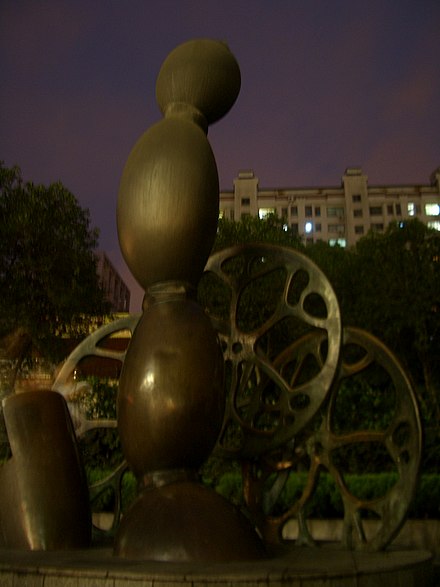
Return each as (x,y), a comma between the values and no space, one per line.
(338,215)
(116,292)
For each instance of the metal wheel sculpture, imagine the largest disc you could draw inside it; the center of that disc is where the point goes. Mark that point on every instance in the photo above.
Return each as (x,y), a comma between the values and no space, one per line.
(327,442)
(70,387)
(67,383)
(260,298)
(279,324)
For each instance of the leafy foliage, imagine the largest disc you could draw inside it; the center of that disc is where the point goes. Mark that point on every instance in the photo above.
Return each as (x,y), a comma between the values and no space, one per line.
(105,501)
(270,229)
(389,284)
(396,293)
(97,400)
(48,279)
(327,503)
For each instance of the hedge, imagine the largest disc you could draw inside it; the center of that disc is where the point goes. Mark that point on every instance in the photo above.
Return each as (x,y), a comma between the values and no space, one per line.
(326,503)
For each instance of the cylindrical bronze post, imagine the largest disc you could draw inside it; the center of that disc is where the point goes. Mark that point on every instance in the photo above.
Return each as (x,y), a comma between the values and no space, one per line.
(44,504)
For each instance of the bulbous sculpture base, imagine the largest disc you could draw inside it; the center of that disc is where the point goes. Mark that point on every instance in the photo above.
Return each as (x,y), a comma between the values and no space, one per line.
(185,521)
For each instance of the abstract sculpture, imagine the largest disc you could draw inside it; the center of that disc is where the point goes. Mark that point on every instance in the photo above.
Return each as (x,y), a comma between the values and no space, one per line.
(171,398)
(261,387)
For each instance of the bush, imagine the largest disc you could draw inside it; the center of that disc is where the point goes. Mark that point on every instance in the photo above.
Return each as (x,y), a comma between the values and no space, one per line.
(327,502)
(101,447)
(230,486)
(105,501)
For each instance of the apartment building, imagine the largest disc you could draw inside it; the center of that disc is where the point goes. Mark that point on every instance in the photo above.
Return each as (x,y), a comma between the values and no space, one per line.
(339,215)
(116,292)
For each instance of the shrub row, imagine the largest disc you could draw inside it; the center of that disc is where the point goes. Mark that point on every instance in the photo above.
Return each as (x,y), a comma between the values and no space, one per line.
(326,502)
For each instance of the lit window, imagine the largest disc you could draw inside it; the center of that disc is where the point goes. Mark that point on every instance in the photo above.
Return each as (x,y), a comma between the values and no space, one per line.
(434,224)
(221,214)
(308,227)
(413,209)
(432,209)
(264,212)
(341,242)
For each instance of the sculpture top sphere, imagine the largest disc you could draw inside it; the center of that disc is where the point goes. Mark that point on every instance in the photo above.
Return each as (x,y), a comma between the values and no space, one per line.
(202,73)
(169,194)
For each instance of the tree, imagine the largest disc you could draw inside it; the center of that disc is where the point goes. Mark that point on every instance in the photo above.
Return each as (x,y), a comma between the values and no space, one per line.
(48,279)
(388,284)
(395,293)
(254,229)
(336,263)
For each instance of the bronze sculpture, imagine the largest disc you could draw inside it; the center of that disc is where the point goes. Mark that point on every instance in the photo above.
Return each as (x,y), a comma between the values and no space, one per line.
(171,407)
(171,397)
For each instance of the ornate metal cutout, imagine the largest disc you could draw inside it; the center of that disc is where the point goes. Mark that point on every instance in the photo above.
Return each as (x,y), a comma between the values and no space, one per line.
(67,384)
(400,435)
(264,298)
(282,410)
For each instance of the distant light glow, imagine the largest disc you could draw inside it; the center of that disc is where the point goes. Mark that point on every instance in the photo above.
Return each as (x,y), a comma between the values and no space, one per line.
(308,227)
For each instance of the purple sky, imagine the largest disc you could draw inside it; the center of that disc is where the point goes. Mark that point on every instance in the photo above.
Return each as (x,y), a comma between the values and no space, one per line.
(325,85)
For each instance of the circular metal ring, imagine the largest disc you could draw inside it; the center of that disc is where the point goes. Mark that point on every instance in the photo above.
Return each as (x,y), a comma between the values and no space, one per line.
(66,383)
(260,298)
(400,436)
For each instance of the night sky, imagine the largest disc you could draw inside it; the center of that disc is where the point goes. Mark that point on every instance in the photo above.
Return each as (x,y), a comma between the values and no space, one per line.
(325,85)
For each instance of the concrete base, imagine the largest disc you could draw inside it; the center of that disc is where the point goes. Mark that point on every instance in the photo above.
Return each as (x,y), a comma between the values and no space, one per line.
(327,566)
(415,534)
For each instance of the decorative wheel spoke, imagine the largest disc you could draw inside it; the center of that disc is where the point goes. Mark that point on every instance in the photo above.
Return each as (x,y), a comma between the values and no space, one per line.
(401,439)
(279,326)
(68,385)
(66,382)
(327,441)
(270,296)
